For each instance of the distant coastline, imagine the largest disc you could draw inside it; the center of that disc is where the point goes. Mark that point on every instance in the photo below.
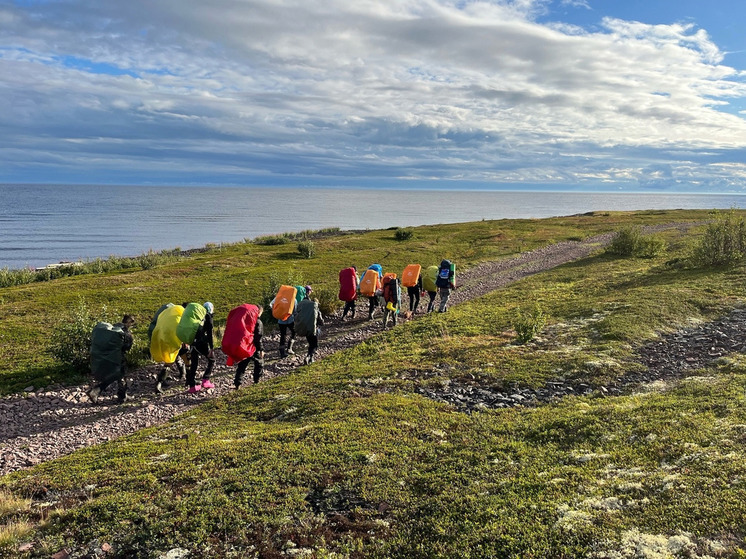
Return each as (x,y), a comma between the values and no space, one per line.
(46,224)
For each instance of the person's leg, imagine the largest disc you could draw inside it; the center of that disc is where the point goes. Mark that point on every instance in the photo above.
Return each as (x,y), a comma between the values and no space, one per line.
(240,370)
(160,379)
(291,327)
(313,345)
(352,309)
(283,335)
(371,307)
(122,390)
(445,293)
(193,364)
(258,368)
(416,300)
(431,304)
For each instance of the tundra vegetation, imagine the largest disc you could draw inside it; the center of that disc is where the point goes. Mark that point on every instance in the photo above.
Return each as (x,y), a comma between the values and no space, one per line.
(344,458)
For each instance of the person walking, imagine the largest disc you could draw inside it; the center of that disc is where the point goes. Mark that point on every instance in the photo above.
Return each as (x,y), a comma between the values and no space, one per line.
(429,278)
(109,345)
(445,283)
(348,290)
(307,322)
(257,358)
(391,299)
(203,346)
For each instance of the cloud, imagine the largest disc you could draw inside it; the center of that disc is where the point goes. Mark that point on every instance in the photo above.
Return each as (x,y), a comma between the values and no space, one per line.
(282,89)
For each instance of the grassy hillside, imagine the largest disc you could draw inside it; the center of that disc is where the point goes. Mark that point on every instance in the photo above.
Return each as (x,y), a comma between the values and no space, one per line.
(239,273)
(345,459)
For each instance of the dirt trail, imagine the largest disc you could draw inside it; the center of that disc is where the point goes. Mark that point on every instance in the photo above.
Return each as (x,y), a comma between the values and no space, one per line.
(39,426)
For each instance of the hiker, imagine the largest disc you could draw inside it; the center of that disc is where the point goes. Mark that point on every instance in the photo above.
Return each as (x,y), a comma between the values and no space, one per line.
(429,277)
(256,350)
(202,346)
(391,298)
(411,278)
(348,290)
(372,288)
(109,345)
(445,282)
(165,345)
(307,321)
(285,324)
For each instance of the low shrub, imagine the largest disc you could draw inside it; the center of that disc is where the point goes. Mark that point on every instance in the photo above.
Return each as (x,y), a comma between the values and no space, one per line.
(403,234)
(306,249)
(723,242)
(528,323)
(71,339)
(630,241)
(329,303)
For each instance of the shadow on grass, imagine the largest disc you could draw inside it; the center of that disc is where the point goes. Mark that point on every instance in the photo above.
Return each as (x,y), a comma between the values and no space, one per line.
(39,377)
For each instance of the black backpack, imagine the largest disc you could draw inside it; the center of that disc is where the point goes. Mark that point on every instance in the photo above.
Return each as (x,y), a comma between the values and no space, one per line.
(391,291)
(444,274)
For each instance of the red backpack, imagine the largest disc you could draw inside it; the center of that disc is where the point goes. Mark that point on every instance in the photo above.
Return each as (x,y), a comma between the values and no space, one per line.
(238,338)
(347,285)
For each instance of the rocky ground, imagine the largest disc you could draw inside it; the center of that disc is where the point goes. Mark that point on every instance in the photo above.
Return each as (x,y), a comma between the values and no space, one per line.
(42,425)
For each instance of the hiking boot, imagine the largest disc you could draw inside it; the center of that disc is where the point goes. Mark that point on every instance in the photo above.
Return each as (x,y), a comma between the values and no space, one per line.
(290,348)
(283,353)
(193,389)
(207,384)
(122,397)
(306,359)
(93,394)
(159,387)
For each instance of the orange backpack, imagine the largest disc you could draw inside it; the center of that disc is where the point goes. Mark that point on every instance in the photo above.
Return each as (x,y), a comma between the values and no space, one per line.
(369,283)
(284,302)
(410,275)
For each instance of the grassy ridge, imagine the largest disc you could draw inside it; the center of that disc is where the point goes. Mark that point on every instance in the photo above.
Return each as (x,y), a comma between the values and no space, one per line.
(343,458)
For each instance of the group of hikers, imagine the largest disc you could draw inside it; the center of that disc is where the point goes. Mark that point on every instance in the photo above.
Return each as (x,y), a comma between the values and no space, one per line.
(181,335)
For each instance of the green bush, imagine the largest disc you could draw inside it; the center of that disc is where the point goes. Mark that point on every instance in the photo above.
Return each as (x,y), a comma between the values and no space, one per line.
(71,339)
(723,243)
(630,241)
(528,323)
(403,234)
(306,249)
(329,303)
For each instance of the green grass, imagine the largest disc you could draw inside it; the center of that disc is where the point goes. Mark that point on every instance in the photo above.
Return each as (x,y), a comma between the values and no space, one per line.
(345,459)
(235,274)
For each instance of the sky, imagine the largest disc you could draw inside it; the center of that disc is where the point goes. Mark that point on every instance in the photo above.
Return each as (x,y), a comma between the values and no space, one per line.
(625,95)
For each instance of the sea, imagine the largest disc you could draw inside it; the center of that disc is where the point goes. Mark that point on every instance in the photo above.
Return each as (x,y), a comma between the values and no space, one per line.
(46,224)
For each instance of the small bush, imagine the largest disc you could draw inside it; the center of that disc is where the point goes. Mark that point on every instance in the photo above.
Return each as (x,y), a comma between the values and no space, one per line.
(71,339)
(528,323)
(272,240)
(403,234)
(329,303)
(630,241)
(307,249)
(723,243)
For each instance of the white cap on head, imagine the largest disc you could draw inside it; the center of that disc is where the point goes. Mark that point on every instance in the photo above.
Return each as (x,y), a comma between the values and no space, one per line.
(209,306)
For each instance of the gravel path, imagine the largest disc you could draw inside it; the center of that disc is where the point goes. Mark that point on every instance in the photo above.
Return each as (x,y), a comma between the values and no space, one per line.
(40,426)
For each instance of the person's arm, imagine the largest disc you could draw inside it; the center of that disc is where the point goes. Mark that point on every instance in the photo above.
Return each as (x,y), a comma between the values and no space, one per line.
(258,334)
(128,341)
(208,333)
(319,317)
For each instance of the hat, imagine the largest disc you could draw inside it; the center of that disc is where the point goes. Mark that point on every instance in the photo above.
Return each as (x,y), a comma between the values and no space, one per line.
(209,306)
(308,289)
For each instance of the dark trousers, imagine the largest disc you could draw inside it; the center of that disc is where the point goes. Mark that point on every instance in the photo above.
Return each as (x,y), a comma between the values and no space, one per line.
(283,333)
(431,305)
(375,301)
(414,298)
(349,307)
(243,365)
(122,385)
(197,350)
(313,343)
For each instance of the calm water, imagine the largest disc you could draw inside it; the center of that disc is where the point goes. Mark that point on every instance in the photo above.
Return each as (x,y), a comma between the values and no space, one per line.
(44,224)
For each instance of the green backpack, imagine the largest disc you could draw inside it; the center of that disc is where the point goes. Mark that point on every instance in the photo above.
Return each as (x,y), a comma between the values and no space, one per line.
(191,320)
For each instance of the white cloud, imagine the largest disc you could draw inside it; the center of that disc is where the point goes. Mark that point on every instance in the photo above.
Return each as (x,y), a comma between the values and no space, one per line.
(416,88)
